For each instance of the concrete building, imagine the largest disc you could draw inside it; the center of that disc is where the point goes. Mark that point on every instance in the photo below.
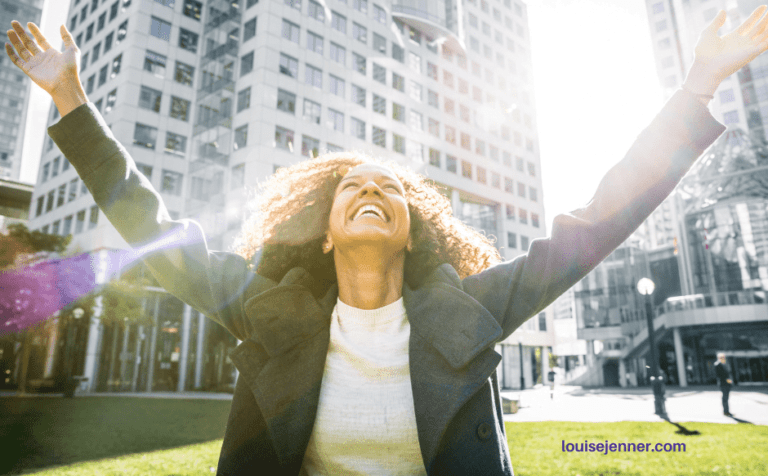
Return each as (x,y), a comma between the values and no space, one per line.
(14,203)
(14,91)
(212,97)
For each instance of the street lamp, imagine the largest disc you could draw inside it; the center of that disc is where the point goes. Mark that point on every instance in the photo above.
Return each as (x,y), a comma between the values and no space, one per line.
(645,287)
(520,348)
(69,384)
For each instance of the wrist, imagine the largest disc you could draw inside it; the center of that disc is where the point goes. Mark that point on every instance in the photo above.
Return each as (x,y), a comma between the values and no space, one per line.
(701,81)
(69,98)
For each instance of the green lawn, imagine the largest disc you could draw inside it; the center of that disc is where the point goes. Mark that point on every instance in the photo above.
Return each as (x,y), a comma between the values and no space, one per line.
(127,436)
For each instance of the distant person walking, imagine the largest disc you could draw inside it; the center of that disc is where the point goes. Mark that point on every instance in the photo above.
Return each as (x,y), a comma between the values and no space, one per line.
(724,381)
(551,376)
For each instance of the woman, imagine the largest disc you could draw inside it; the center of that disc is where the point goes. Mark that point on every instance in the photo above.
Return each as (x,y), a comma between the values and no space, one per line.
(368,329)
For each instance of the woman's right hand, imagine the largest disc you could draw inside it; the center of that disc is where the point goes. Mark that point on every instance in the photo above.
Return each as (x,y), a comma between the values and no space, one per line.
(54,71)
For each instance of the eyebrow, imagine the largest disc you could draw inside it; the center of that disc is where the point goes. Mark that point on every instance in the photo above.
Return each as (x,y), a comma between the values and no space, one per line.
(395,181)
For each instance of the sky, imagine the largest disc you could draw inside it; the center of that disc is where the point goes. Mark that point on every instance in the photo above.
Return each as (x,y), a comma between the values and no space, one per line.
(595,89)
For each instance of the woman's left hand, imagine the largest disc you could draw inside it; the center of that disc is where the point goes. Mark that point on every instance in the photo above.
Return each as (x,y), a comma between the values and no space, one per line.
(718,57)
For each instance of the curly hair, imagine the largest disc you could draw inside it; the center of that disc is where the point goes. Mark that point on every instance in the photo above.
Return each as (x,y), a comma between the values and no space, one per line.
(290,213)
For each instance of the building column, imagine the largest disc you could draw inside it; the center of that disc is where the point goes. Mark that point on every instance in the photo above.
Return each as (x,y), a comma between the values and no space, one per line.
(456,203)
(545,365)
(679,357)
(200,350)
(183,359)
(622,373)
(153,344)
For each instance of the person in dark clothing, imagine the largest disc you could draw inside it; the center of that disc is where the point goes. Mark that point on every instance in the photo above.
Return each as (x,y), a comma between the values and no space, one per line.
(724,381)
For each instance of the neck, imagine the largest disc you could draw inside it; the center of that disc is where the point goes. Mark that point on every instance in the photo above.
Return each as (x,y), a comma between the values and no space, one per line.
(368,278)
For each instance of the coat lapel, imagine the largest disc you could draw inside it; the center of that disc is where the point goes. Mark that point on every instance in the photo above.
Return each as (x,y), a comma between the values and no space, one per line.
(446,319)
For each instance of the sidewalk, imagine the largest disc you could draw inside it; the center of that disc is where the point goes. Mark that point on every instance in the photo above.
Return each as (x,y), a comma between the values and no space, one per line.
(701,404)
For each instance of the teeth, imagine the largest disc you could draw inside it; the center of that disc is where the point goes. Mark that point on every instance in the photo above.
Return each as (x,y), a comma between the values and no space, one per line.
(372,209)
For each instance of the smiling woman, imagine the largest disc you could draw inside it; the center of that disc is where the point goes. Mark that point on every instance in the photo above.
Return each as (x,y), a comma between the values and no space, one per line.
(368,326)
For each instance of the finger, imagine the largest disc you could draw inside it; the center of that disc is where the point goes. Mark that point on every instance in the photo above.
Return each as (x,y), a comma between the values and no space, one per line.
(22,51)
(745,27)
(66,36)
(716,23)
(759,29)
(28,42)
(14,57)
(39,37)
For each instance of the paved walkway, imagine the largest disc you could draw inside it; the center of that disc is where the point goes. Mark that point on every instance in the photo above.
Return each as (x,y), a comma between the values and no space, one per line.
(701,404)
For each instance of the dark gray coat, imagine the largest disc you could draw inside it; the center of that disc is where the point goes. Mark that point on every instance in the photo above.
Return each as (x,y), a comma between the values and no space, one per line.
(454,323)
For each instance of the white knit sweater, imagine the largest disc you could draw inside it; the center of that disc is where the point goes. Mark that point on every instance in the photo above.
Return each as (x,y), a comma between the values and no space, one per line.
(365,421)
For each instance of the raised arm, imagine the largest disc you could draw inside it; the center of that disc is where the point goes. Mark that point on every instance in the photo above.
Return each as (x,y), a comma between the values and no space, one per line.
(175,251)
(630,191)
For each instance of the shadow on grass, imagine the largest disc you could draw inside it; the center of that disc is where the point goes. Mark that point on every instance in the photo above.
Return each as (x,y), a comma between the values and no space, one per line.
(41,432)
(681,430)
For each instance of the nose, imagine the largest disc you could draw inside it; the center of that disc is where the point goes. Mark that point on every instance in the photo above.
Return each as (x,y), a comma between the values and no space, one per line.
(370,188)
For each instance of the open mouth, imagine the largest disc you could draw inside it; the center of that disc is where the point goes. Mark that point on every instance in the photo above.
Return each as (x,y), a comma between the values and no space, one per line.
(371,210)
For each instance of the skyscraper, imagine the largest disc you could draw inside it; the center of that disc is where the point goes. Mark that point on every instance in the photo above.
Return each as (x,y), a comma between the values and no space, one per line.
(210,98)
(14,92)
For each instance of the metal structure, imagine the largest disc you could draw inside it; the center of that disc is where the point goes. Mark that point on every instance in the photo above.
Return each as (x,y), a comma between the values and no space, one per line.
(645,286)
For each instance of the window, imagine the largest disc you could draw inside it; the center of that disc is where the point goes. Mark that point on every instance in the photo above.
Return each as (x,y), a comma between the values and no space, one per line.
(448,79)
(84,62)
(358,95)
(244,99)
(360,33)
(159,29)
(338,53)
(522,217)
(55,227)
(250,3)
(535,220)
(494,153)
(73,23)
(79,221)
(451,163)
(335,120)
(463,86)
(358,63)
(171,183)
(511,240)
(466,169)
(665,43)
(379,137)
(398,112)
(313,76)
(293,4)
(415,90)
(434,127)
(398,143)
(379,104)
(238,176)
(96,52)
(398,82)
(116,63)
(464,113)
(291,31)
(113,10)
(432,99)
(481,175)
(358,128)
(316,11)
(289,66)
(667,62)
(661,25)
(339,22)
(731,117)
(286,101)
(249,29)
(193,9)
(524,242)
(145,170)
(90,84)
(179,108)
(246,64)
(184,74)
(55,167)
(188,40)
(111,99)
(337,85)
(310,146)
(360,5)
(379,73)
(311,111)
(449,106)
(145,136)
(108,42)
(89,32)
(434,157)
(398,53)
(94,217)
(509,185)
(450,134)
(167,3)
(379,43)
(727,96)
(379,14)
(415,120)
(283,138)
(150,99)
(241,137)
(49,203)
(314,42)
(175,144)
(155,63)
(521,189)
(480,147)
(40,204)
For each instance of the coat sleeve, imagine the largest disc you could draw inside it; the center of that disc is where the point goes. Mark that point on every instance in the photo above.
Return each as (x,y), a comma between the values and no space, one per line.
(175,251)
(516,290)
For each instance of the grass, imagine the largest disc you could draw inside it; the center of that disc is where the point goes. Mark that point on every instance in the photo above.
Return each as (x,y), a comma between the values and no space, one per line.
(138,436)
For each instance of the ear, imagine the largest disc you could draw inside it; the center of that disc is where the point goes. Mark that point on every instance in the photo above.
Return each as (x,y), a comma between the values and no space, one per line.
(327,243)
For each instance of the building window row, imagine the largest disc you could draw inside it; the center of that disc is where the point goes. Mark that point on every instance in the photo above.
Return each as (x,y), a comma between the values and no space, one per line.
(73,224)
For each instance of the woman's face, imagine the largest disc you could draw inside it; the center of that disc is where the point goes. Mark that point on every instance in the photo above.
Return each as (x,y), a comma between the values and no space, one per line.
(369,207)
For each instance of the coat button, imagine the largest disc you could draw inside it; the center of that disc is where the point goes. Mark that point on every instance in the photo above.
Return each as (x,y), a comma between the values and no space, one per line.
(484,431)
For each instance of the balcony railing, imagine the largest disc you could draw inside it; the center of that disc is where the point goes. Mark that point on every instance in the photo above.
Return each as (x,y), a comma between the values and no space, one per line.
(701,301)
(233,14)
